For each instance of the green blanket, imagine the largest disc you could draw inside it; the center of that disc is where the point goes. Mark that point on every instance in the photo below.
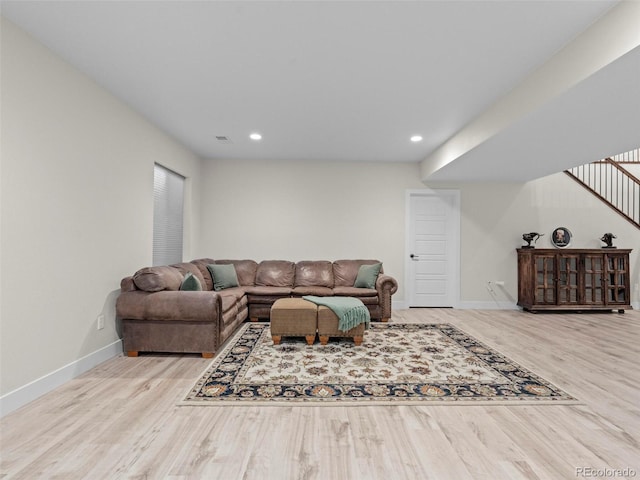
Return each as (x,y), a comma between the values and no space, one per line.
(350,311)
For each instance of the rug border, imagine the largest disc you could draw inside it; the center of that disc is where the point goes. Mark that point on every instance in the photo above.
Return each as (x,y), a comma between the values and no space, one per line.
(419,402)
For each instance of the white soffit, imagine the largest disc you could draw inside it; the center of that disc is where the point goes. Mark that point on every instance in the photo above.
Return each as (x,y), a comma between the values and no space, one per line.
(595,119)
(580,106)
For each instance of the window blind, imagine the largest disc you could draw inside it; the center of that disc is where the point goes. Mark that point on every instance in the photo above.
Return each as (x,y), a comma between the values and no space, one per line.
(168,203)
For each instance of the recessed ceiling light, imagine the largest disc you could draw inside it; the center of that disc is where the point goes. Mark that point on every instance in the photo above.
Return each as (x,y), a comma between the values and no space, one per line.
(416,138)
(255,136)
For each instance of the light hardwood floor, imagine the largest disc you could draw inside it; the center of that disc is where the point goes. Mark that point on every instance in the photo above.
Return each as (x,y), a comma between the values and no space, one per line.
(120,420)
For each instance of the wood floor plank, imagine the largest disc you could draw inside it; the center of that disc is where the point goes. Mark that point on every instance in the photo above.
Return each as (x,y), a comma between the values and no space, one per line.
(120,420)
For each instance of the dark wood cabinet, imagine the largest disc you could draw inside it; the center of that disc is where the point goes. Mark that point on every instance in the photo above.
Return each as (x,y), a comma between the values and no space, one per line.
(573,279)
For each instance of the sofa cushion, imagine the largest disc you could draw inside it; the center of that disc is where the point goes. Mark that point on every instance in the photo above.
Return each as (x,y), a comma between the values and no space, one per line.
(228,302)
(266,295)
(266,291)
(224,276)
(155,279)
(237,292)
(232,299)
(346,271)
(245,270)
(311,290)
(354,292)
(275,273)
(185,267)
(314,273)
(201,264)
(367,276)
(191,283)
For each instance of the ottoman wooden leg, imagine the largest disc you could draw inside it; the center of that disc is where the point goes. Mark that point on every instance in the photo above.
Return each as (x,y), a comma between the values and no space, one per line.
(207,354)
(254,319)
(132,353)
(293,317)
(385,319)
(357,341)
(324,339)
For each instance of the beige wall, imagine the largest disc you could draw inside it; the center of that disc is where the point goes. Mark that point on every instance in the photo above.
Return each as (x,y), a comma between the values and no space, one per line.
(77,203)
(494,217)
(306,211)
(301,210)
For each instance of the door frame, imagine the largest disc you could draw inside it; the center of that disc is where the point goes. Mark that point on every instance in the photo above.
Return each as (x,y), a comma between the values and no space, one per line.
(454,194)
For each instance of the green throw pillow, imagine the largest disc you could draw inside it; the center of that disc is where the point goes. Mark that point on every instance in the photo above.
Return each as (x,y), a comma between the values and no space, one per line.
(367,276)
(191,283)
(224,276)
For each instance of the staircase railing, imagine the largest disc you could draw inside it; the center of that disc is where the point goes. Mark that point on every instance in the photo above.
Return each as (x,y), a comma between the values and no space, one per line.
(632,156)
(613,184)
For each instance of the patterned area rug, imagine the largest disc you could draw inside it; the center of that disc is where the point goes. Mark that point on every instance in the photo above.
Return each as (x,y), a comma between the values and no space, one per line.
(396,364)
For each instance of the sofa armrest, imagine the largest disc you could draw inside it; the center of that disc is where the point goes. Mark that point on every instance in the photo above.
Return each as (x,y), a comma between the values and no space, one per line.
(386,282)
(386,286)
(199,306)
(127,285)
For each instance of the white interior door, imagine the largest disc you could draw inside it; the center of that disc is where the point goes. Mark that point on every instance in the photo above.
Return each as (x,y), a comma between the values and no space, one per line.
(433,248)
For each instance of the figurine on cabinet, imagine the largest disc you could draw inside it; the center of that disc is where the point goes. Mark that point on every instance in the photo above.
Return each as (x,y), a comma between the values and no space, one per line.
(608,239)
(531,237)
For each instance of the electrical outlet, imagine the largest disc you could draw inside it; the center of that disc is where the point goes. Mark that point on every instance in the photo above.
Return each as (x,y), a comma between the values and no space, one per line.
(100,324)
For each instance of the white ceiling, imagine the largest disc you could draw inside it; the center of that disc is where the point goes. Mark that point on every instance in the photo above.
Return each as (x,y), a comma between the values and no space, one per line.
(329,81)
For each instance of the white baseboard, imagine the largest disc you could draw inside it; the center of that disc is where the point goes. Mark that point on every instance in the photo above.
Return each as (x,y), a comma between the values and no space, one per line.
(31,391)
(486,305)
(467,305)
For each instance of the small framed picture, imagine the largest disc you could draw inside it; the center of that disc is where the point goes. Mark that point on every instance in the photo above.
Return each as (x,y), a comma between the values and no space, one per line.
(561,237)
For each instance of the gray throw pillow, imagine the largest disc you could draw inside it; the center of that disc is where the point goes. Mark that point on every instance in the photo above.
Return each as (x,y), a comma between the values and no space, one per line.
(224,276)
(191,283)
(367,276)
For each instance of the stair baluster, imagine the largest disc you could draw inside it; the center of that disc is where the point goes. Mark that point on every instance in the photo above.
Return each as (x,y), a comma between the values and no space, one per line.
(612,183)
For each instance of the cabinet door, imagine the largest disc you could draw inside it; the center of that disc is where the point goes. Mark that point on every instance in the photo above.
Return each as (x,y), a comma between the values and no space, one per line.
(617,276)
(594,279)
(568,279)
(545,280)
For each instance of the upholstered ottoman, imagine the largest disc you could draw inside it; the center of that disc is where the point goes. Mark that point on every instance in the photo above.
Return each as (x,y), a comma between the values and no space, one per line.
(293,317)
(328,327)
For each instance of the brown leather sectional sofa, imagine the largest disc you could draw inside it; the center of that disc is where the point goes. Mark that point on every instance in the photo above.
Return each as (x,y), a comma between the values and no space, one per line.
(157,316)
